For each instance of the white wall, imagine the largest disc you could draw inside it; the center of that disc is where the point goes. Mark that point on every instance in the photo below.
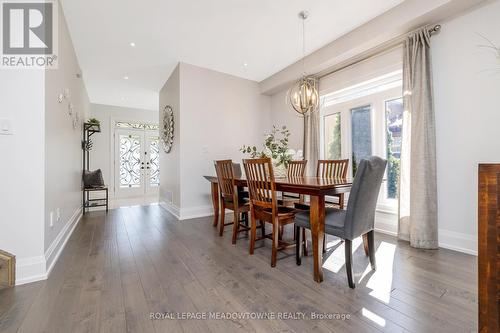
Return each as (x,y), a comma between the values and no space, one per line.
(63,153)
(283,114)
(170,165)
(41,162)
(218,114)
(22,171)
(102,153)
(467,103)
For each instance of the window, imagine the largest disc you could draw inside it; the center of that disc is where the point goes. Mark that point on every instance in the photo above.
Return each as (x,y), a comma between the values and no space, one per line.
(362,120)
(361,135)
(333,137)
(393,126)
(122,124)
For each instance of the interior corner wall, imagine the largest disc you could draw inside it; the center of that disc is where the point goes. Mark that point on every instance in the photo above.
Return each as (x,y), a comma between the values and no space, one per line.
(215,114)
(103,151)
(170,179)
(63,153)
(467,99)
(219,114)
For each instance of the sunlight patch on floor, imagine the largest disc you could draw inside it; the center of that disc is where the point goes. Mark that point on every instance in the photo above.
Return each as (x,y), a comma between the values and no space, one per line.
(381,280)
(373,317)
(336,260)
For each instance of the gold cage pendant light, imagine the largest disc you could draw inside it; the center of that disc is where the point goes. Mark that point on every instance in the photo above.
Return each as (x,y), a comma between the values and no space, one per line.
(303,95)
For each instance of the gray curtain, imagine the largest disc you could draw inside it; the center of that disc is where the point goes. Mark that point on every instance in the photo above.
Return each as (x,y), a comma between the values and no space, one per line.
(311,142)
(418,190)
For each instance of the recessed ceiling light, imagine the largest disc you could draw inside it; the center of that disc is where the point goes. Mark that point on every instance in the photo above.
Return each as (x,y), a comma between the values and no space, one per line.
(132,44)
(245,64)
(125,77)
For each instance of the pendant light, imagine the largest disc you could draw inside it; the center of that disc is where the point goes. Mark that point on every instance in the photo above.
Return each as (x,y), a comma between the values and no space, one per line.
(303,95)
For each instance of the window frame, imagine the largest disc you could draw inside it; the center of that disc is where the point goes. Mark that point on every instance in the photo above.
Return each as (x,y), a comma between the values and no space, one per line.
(323,131)
(387,199)
(377,102)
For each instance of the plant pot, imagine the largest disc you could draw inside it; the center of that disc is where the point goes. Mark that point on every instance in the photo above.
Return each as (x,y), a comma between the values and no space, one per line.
(280,171)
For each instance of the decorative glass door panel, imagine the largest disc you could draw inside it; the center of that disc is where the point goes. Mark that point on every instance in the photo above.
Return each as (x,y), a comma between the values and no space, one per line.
(136,162)
(130,161)
(153,163)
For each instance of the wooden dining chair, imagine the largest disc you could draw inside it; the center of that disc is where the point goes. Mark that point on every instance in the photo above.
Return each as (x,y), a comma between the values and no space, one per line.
(296,169)
(333,169)
(231,200)
(329,169)
(358,220)
(264,205)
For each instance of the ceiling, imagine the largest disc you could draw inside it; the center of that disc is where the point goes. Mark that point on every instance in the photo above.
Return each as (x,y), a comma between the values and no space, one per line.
(252,39)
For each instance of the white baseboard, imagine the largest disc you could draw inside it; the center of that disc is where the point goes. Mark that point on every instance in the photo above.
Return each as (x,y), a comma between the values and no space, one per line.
(171,208)
(38,268)
(196,212)
(187,213)
(386,223)
(458,241)
(30,269)
(55,249)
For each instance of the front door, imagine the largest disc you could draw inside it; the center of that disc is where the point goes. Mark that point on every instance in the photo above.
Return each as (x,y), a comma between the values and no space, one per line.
(136,163)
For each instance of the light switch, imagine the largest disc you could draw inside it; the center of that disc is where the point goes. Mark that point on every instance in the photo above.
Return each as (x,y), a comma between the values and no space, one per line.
(6,126)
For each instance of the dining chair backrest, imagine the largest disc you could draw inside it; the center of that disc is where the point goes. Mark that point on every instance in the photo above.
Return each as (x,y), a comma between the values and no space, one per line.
(260,181)
(332,168)
(296,169)
(360,215)
(237,170)
(225,178)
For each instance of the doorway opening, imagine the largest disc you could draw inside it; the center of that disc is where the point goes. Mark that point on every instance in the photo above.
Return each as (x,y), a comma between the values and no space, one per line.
(136,163)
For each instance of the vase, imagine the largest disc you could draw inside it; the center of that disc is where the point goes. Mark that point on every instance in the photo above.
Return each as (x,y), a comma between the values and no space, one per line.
(280,171)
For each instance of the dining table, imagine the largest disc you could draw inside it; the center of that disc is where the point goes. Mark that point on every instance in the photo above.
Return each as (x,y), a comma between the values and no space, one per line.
(316,188)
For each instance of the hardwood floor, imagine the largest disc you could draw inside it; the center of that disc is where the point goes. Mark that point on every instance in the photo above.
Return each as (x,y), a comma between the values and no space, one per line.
(119,268)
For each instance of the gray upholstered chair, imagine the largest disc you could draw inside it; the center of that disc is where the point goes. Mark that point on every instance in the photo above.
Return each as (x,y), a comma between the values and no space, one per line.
(359,217)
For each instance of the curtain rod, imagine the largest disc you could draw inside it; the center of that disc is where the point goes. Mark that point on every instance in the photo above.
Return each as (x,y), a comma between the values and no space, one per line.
(378,50)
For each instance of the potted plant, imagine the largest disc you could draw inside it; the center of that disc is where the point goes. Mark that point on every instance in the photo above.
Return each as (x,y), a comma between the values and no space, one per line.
(275,147)
(93,121)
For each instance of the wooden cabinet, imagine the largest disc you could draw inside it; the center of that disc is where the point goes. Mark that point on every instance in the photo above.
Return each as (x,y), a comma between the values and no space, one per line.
(489,248)
(7,270)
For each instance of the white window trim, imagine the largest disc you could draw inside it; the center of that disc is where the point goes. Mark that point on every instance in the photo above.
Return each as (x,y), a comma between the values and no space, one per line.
(377,102)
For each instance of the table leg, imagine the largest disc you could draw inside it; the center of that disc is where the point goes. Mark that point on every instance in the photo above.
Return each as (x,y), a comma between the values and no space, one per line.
(317,217)
(215,202)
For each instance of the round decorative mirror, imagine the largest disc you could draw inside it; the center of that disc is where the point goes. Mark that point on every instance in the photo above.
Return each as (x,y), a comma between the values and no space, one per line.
(167,131)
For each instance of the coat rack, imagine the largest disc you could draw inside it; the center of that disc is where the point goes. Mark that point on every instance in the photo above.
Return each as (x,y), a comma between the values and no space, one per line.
(90,129)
